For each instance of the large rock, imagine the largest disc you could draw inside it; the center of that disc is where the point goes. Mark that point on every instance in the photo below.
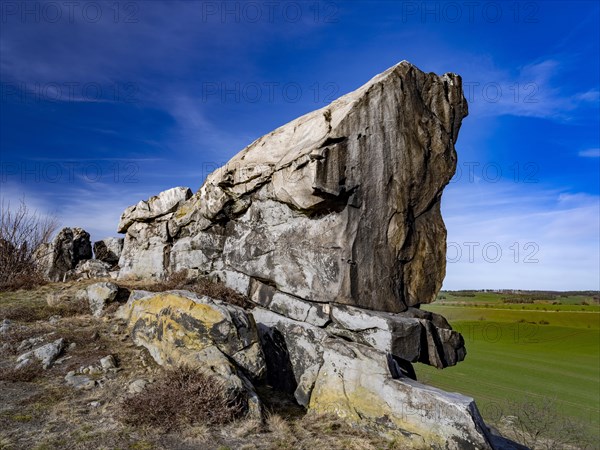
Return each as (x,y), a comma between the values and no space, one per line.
(109,250)
(293,352)
(340,205)
(148,244)
(364,386)
(69,247)
(181,328)
(89,269)
(46,354)
(98,296)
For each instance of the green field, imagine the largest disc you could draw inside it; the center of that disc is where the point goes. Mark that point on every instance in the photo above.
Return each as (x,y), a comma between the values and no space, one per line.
(520,355)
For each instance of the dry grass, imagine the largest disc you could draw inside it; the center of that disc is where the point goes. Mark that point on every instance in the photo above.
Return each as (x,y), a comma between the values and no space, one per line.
(26,373)
(200,286)
(182,396)
(32,312)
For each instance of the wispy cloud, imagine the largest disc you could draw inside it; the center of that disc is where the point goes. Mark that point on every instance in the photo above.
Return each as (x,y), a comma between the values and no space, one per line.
(590,153)
(507,235)
(539,89)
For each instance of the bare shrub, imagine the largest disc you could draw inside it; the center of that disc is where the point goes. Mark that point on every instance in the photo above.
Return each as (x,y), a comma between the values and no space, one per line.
(201,286)
(539,424)
(22,231)
(182,396)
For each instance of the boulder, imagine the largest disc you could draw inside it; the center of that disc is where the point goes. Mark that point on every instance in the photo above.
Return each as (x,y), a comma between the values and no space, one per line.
(109,250)
(364,386)
(47,354)
(99,295)
(340,205)
(89,269)
(69,246)
(181,328)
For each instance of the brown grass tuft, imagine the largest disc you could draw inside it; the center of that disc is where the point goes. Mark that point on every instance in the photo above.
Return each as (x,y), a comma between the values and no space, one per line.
(182,396)
(201,286)
(26,373)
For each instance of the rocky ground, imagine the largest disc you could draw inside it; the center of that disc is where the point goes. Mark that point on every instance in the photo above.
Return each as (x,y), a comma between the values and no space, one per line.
(77,402)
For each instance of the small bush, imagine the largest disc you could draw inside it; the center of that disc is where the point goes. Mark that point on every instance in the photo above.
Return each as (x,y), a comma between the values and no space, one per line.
(21,233)
(182,396)
(201,286)
(544,322)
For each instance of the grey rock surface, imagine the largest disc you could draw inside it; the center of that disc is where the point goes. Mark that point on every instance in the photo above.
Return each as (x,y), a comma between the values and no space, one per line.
(355,382)
(340,205)
(69,246)
(46,354)
(109,250)
(99,295)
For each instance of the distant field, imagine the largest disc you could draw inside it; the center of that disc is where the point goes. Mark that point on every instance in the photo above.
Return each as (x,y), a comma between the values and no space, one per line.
(517,353)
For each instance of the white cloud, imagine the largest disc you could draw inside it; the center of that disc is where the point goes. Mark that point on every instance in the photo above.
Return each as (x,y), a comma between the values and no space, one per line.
(521,236)
(590,153)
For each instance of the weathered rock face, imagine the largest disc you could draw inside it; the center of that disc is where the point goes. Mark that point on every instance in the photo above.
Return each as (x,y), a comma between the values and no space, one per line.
(98,295)
(368,381)
(109,250)
(180,328)
(340,205)
(148,243)
(355,382)
(69,247)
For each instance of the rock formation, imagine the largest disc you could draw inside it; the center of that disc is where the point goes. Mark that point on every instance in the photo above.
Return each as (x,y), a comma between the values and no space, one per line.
(331,226)
(340,205)
(69,247)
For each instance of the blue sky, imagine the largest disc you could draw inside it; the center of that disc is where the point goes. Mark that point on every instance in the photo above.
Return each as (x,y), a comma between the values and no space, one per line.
(105,103)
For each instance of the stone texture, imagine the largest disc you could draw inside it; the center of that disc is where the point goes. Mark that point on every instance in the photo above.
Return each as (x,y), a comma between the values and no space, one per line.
(180,328)
(99,295)
(88,269)
(109,250)
(47,353)
(340,205)
(293,352)
(69,246)
(413,339)
(355,383)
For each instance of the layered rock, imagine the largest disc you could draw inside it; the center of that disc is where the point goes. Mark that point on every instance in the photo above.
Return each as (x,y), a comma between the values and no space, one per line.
(148,242)
(340,205)
(331,226)
(68,248)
